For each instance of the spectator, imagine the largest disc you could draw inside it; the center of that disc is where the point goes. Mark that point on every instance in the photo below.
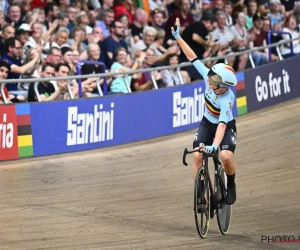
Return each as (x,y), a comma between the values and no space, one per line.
(74,61)
(222,35)
(4,71)
(118,84)
(54,55)
(93,51)
(241,40)
(124,7)
(63,7)
(14,15)
(113,42)
(185,20)
(77,42)
(2,19)
(51,13)
(108,18)
(13,50)
(97,35)
(285,49)
(105,5)
(297,14)
(83,22)
(123,18)
(159,41)
(273,39)
(8,31)
(81,5)
(60,40)
(137,26)
(63,70)
(40,17)
(218,5)
(196,36)
(197,8)
(157,19)
(276,17)
(30,55)
(158,5)
(46,90)
(67,54)
(23,33)
(288,6)
(148,42)
(169,76)
(92,15)
(35,41)
(71,15)
(228,10)
(251,10)
(259,57)
(144,81)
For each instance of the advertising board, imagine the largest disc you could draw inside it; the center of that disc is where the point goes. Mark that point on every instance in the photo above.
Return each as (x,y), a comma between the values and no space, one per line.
(272,84)
(83,124)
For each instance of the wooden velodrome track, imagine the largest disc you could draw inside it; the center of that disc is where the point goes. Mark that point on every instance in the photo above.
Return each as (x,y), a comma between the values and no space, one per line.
(140,196)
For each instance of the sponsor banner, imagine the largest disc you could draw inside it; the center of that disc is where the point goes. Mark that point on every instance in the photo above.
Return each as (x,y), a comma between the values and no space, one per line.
(8,133)
(76,125)
(272,84)
(15,131)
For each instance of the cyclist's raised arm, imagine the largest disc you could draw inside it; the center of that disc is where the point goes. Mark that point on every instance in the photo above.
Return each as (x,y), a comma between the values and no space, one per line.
(189,53)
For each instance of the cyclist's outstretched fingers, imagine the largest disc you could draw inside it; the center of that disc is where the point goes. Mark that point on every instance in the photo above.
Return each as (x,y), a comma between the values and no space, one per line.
(177,22)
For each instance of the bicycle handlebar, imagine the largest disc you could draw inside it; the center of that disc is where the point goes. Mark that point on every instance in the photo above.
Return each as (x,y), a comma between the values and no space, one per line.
(199,150)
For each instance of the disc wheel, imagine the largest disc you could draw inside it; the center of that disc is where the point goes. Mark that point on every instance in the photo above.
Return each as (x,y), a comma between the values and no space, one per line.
(202,202)
(223,210)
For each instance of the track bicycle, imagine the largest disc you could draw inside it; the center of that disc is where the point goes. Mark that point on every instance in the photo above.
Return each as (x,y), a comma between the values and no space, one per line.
(209,198)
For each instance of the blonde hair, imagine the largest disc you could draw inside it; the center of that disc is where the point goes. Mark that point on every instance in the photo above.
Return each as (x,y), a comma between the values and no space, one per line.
(160,34)
(216,79)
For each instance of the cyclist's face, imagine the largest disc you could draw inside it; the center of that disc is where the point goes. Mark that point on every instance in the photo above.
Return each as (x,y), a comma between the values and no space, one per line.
(211,84)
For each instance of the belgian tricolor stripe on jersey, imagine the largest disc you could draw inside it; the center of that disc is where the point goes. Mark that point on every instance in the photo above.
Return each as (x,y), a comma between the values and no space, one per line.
(24,130)
(241,99)
(212,109)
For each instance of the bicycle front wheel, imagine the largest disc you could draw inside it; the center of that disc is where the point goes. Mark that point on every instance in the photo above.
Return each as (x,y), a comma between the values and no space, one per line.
(223,210)
(202,202)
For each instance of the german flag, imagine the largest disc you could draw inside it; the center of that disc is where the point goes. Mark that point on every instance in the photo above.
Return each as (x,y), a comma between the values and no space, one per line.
(211,108)
(24,130)
(241,99)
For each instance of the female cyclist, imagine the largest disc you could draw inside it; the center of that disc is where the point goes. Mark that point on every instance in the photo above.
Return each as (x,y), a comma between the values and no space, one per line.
(217,128)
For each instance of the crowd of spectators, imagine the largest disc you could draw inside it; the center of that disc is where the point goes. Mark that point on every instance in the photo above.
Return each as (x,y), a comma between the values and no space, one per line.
(47,38)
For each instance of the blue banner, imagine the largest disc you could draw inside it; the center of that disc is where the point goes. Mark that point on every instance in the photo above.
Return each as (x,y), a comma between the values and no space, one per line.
(67,126)
(272,84)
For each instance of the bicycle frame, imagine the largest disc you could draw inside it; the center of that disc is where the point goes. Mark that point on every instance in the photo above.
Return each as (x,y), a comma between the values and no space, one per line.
(217,194)
(213,188)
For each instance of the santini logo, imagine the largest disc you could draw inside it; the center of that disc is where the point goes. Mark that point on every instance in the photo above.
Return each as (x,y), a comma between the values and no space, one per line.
(187,110)
(6,133)
(87,128)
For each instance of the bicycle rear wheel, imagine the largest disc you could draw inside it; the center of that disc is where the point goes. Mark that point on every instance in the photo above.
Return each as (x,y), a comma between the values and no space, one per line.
(223,210)
(202,202)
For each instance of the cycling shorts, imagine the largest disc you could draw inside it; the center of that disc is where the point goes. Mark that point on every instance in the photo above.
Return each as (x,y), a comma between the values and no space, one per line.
(206,133)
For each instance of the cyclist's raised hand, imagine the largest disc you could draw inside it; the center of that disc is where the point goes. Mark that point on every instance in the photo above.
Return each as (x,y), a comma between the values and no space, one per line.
(210,149)
(176,31)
